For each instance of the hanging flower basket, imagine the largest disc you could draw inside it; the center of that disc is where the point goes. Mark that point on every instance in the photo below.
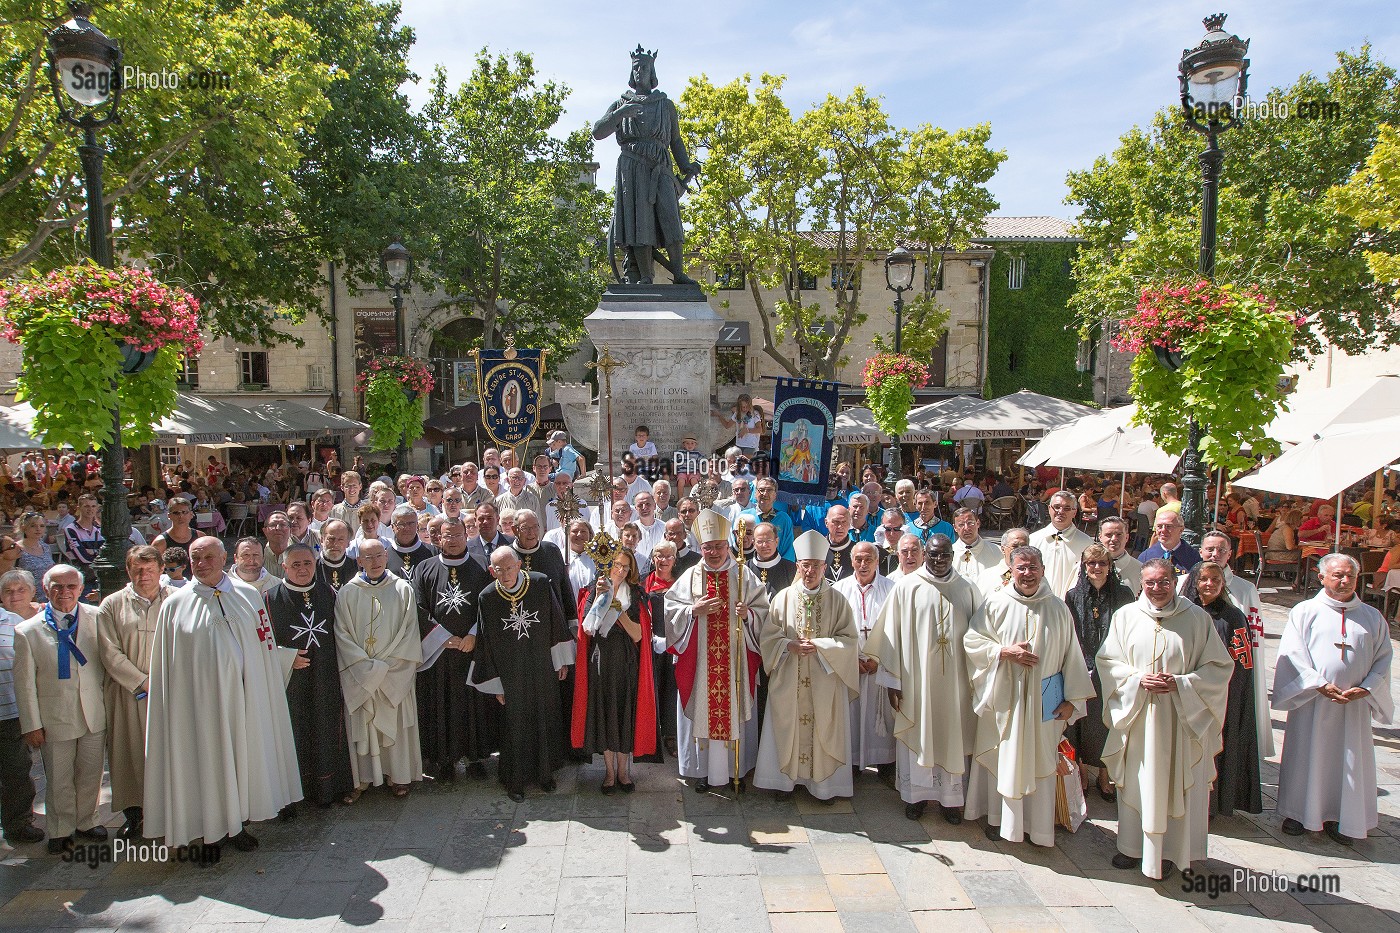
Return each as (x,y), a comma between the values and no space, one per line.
(890,380)
(94,339)
(392,386)
(1214,352)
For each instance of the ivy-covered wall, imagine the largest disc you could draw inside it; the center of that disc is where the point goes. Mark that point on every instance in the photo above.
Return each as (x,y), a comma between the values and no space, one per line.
(1031,340)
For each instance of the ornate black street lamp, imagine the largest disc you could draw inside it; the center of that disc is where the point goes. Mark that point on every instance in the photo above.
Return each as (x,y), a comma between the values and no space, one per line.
(1214,76)
(397,262)
(899,278)
(85,69)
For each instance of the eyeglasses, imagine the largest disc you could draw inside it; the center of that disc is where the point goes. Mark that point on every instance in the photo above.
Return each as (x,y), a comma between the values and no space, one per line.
(1096,563)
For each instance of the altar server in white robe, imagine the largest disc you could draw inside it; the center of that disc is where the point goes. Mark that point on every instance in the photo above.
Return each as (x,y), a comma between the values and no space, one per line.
(377,640)
(1060,543)
(872,717)
(219,745)
(919,643)
(702,608)
(973,554)
(1166,681)
(809,647)
(1022,647)
(1217,548)
(1333,679)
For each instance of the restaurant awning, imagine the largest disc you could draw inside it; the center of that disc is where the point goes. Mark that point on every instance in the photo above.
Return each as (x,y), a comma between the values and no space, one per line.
(857,426)
(928,424)
(200,420)
(1021,414)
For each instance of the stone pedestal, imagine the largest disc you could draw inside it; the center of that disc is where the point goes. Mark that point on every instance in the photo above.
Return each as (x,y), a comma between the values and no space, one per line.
(664,335)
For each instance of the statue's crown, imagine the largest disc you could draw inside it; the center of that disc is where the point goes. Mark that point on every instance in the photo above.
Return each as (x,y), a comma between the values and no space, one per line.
(640,53)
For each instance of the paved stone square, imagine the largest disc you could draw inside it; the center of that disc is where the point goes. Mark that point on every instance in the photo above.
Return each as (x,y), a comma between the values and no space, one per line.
(669,860)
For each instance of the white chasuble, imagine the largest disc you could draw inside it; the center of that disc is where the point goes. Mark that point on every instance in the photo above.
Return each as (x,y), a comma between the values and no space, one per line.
(377,642)
(1161,747)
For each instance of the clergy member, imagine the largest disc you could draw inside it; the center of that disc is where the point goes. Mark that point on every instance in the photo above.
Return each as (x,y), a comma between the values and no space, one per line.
(1060,544)
(58,679)
(1333,679)
(1166,677)
(1113,534)
(809,647)
(523,648)
(302,607)
(407,550)
(1028,680)
(939,561)
(219,745)
(714,612)
(999,576)
(125,624)
(918,641)
(454,721)
(972,553)
(334,566)
(840,540)
(376,636)
(872,718)
(1217,548)
(909,554)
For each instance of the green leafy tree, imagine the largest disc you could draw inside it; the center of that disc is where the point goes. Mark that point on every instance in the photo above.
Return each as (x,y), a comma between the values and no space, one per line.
(1279,229)
(199,181)
(1372,199)
(841,169)
(239,192)
(507,213)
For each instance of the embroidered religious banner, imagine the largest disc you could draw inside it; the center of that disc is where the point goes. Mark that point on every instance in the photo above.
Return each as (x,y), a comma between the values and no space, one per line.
(508,382)
(804,418)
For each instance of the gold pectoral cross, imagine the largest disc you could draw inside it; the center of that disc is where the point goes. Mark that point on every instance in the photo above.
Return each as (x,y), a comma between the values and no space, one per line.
(944,649)
(375,611)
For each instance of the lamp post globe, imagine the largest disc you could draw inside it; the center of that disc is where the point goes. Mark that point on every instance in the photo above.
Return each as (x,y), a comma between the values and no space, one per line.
(1214,77)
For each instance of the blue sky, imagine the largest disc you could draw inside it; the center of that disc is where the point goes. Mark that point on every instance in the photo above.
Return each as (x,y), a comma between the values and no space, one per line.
(1059,81)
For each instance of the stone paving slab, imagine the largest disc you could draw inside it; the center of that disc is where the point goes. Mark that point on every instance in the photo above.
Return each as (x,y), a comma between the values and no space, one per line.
(463,858)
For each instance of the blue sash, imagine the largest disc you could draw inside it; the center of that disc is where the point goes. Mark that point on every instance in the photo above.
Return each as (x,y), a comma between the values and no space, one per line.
(67,642)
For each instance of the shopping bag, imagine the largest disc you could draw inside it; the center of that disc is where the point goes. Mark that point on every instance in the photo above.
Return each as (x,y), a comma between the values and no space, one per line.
(1070,806)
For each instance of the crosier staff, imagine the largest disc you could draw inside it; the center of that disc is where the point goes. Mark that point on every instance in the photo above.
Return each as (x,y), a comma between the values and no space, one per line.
(736,649)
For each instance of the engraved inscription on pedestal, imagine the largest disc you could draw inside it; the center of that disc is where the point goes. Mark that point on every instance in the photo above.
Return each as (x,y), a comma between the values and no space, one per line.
(665,340)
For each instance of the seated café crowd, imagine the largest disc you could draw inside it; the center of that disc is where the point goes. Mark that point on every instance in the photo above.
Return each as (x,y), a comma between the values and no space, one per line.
(423,629)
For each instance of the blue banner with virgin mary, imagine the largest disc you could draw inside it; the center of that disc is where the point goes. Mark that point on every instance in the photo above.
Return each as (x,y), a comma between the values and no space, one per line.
(508,382)
(804,417)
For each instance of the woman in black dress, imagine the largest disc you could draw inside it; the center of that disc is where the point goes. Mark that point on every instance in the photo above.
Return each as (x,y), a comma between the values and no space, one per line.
(1237,765)
(661,578)
(614,697)
(1096,595)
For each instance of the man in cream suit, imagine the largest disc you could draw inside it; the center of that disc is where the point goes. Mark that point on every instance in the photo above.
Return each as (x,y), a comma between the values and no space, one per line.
(58,687)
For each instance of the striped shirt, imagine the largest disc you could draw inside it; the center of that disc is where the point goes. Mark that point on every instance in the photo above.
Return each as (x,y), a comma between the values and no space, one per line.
(9,709)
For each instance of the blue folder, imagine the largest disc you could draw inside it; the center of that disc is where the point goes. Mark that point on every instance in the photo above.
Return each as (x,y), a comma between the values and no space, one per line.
(1052,694)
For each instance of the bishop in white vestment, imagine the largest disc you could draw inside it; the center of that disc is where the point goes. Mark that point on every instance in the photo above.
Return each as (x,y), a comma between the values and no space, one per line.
(1023,654)
(377,640)
(809,649)
(1166,681)
(1333,679)
(702,608)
